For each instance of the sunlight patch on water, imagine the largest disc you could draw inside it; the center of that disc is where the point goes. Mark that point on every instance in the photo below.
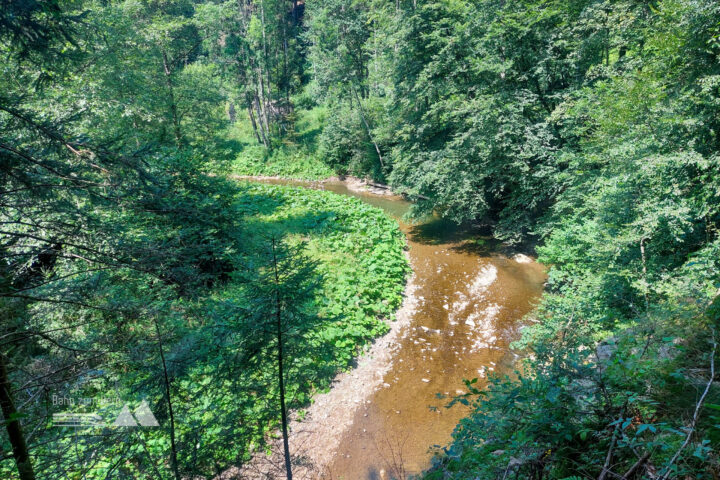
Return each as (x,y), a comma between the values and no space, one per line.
(483,323)
(488,274)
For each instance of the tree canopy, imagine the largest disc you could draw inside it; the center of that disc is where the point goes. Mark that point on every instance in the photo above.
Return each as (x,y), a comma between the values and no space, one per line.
(585,131)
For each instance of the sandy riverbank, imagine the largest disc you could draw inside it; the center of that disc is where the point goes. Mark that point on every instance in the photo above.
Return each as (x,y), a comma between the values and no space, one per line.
(354,184)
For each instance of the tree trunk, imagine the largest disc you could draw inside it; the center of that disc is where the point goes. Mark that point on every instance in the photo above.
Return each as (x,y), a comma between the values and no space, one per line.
(263,126)
(245,65)
(263,102)
(173,105)
(367,127)
(12,424)
(232,113)
(281,382)
(644,271)
(267,96)
(286,79)
(254,124)
(171,414)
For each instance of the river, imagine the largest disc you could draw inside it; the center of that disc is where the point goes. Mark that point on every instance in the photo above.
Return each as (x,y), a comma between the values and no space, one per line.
(469,302)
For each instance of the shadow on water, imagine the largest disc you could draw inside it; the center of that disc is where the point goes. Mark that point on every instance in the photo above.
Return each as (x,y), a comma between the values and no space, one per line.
(436,231)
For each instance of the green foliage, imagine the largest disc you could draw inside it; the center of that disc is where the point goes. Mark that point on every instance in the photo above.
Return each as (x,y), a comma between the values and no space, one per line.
(360,250)
(221,364)
(282,162)
(126,266)
(589,129)
(297,158)
(343,143)
(622,341)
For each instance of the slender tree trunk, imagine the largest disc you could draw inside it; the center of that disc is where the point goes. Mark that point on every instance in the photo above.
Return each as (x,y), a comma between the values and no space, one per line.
(367,127)
(286,79)
(607,37)
(267,95)
(254,124)
(696,414)
(171,413)
(263,101)
(264,39)
(12,424)
(135,127)
(173,105)
(249,98)
(608,457)
(253,100)
(644,271)
(263,126)
(281,381)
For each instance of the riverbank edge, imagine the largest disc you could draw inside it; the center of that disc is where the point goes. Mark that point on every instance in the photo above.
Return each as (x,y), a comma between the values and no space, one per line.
(315,431)
(355,184)
(329,417)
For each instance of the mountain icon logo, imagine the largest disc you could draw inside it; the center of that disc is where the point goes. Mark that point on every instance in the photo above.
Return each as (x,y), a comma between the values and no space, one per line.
(143,414)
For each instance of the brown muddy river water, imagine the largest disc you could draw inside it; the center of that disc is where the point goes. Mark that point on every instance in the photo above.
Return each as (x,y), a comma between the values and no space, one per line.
(470,300)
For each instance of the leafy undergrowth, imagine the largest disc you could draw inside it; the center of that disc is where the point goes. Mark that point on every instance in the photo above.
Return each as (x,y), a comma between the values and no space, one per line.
(223,381)
(228,400)
(285,162)
(360,257)
(295,157)
(362,271)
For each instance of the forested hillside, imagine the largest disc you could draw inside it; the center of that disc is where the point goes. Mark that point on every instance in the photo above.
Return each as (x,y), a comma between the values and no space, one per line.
(135,275)
(590,128)
(133,266)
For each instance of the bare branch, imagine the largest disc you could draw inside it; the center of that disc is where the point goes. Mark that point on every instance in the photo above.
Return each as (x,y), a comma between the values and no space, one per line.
(698,407)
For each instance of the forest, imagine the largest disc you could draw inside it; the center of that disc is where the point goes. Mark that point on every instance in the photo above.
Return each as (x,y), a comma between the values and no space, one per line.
(143,279)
